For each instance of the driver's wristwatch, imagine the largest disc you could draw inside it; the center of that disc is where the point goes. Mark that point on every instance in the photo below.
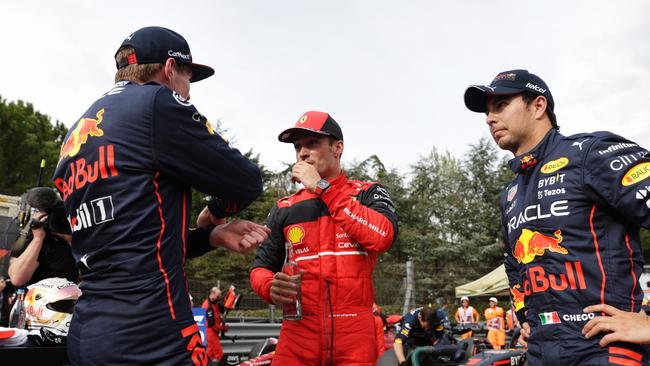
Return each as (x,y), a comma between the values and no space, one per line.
(321,186)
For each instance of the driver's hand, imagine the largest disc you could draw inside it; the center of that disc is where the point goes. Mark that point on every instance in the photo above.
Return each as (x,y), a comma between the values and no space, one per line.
(284,288)
(524,334)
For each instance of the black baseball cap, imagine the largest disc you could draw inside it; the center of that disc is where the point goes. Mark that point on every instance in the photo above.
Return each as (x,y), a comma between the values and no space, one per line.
(506,83)
(315,122)
(155,45)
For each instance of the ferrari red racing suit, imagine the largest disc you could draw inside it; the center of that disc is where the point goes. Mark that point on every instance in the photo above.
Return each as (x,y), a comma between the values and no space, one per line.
(336,239)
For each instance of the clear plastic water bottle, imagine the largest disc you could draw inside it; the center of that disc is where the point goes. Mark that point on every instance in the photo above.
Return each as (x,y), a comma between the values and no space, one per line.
(17,315)
(293,310)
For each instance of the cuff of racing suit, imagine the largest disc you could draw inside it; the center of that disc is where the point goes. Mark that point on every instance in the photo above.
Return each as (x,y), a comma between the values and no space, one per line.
(261,279)
(220,209)
(330,195)
(521,315)
(198,241)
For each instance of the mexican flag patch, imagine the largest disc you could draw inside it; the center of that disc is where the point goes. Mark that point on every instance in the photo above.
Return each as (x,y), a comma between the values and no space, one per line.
(549,318)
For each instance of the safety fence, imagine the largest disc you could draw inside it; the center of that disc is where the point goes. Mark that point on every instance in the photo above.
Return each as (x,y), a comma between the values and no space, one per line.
(390,291)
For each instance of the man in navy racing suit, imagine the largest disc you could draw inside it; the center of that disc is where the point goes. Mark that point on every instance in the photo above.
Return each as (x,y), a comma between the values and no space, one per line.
(419,327)
(125,172)
(571,221)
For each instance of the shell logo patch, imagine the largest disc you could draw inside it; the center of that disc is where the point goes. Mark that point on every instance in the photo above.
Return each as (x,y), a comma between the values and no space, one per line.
(555,165)
(295,235)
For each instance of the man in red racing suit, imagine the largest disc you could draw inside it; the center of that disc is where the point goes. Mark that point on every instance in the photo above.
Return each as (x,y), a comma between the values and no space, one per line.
(214,324)
(337,228)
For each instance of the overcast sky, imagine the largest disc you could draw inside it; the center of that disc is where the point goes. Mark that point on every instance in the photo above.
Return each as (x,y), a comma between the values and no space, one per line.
(392,73)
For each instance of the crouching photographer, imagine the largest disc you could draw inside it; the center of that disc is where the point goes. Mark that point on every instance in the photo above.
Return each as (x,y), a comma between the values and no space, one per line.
(42,249)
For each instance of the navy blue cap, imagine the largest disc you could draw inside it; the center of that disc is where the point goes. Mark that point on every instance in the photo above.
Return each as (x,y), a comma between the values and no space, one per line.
(155,45)
(505,83)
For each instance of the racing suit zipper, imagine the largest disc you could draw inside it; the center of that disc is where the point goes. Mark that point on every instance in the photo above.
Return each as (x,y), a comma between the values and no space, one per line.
(330,346)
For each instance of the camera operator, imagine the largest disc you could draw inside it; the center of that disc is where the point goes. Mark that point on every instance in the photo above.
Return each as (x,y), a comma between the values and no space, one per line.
(48,253)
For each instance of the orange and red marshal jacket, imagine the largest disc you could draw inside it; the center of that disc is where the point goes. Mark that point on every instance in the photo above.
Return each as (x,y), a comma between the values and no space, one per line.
(336,239)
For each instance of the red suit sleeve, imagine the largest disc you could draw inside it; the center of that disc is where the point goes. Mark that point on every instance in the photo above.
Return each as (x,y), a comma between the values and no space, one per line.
(261,279)
(369,217)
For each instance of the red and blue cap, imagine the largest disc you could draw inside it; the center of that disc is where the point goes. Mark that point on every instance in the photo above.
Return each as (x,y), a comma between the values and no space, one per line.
(320,123)
(506,83)
(155,45)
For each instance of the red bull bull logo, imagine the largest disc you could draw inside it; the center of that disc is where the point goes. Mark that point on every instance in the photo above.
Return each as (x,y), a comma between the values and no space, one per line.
(527,161)
(517,297)
(532,244)
(85,127)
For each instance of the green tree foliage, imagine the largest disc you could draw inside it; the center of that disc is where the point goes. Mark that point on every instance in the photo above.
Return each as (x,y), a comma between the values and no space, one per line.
(451,226)
(26,137)
(232,267)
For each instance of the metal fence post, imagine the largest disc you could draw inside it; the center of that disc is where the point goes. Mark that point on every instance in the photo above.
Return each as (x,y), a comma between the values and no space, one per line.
(272,313)
(409,293)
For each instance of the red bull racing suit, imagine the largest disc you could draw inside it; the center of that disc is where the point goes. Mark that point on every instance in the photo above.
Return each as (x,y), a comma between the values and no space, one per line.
(336,239)
(571,223)
(410,334)
(125,173)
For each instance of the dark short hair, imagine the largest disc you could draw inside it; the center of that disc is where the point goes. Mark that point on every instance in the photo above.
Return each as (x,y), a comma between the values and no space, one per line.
(428,315)
(529,97)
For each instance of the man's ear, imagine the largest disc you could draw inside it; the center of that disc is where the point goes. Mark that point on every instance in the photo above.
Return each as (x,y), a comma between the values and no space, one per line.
(540,104)
(169,68)
(338,148)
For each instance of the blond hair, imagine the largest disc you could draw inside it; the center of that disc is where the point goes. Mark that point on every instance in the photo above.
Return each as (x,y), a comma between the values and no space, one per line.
(138,73)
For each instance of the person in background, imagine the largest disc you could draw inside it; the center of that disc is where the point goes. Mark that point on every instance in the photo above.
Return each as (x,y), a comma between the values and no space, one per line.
(3,286)
(512,322)
(466,315)
(214,324)
(420,327)
(47,255)
(379,329)
(495,324)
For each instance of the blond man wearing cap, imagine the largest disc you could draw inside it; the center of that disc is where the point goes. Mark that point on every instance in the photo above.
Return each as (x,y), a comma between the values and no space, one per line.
(466,315)
(125,174)
(337,228)
(495,325)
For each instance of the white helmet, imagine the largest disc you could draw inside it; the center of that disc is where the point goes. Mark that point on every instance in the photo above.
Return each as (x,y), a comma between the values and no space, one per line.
(49,304)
